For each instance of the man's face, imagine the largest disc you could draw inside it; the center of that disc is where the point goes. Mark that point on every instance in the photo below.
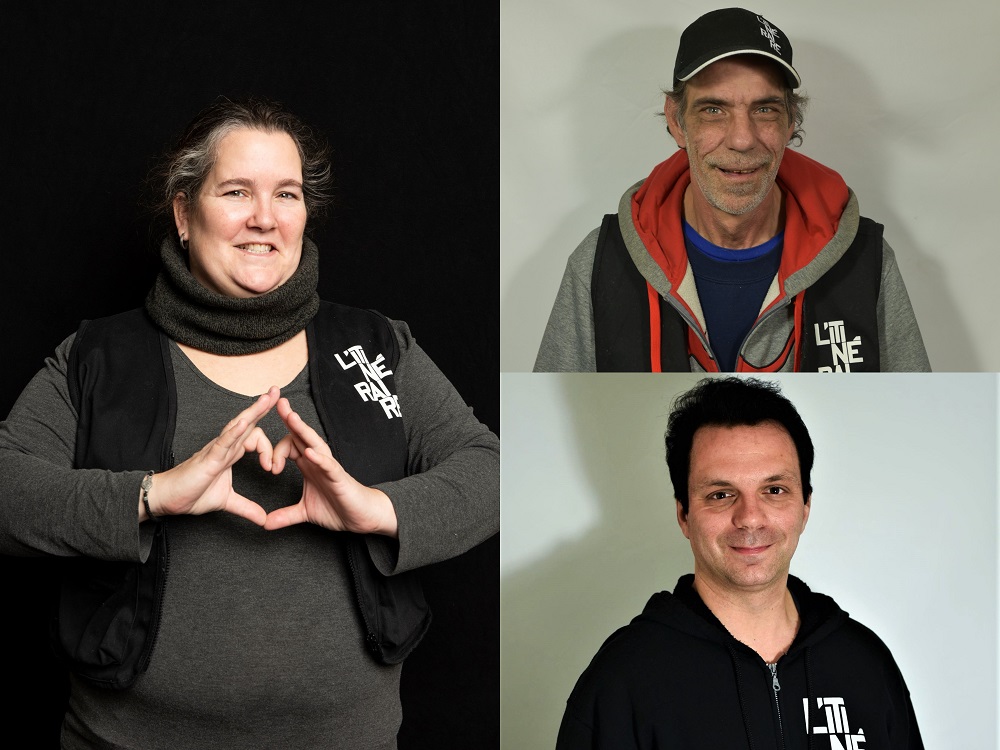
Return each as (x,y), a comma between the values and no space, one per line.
(745,506)
(735,127)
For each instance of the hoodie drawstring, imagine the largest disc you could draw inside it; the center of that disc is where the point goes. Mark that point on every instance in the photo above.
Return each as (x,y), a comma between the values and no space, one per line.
(798,330)
(654,328)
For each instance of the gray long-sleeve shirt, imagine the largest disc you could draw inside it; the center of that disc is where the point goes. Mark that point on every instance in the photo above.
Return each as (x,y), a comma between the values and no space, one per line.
(260,644)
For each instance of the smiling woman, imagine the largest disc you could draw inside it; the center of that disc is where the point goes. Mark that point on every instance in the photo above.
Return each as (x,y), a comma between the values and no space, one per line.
(246,225)
(244,230)
(283,620)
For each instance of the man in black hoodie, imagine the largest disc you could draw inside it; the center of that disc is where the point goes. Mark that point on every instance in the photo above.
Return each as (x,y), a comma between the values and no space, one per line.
(742,654)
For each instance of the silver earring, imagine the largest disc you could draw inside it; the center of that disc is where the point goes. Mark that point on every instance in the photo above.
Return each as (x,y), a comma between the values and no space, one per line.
(184,241)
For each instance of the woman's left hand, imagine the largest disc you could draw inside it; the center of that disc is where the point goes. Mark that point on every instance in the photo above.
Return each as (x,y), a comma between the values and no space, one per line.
(331,497)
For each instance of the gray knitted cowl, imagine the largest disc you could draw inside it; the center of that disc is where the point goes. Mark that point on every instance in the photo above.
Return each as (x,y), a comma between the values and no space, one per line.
(204,319)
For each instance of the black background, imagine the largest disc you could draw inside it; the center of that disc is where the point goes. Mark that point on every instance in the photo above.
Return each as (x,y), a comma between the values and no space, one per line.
(407,95)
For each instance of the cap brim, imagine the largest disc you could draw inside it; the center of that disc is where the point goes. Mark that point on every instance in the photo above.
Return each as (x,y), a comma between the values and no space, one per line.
(791,75)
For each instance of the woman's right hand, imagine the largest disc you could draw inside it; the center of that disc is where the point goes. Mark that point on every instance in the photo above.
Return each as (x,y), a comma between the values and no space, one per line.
(204,483)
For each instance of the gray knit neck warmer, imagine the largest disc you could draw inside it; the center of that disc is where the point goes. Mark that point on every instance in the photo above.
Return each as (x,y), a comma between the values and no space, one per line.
(212,322)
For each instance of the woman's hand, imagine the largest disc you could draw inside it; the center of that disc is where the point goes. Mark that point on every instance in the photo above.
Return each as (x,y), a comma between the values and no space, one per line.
(331,497)
(204,483)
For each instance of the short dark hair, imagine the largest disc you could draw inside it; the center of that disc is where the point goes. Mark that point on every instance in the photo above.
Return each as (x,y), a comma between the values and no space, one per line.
(185,167)
(730,402)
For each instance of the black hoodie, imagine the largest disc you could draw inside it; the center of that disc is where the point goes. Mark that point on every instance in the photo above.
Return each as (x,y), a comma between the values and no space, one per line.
(674,678)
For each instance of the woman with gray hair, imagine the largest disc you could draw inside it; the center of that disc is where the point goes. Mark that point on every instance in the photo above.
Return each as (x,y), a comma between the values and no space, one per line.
(250,586)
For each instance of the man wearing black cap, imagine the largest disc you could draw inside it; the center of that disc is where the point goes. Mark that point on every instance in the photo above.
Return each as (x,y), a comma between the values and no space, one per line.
(742,654)
(734,254)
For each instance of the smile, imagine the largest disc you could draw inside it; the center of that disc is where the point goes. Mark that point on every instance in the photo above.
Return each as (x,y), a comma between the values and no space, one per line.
(750,550)
(256,249)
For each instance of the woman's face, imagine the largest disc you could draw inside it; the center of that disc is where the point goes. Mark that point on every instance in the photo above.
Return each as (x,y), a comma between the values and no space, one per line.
(245,227)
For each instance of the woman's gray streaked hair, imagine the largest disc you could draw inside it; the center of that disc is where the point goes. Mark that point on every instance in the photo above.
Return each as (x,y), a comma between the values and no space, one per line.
(186,166)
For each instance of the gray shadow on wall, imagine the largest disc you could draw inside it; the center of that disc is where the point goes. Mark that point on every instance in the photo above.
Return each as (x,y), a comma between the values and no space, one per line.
(624,70)
(849,129)
(557,611)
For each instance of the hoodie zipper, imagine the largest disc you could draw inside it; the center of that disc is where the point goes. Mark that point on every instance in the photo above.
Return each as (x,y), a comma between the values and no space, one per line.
(688,318)
(775,687)
(703,336)
(784,302)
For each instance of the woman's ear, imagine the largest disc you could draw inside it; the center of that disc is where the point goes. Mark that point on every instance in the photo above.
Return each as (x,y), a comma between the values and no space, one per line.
(181,211)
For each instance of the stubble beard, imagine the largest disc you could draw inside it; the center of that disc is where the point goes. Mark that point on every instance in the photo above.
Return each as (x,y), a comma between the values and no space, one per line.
(737,200)
(741,575)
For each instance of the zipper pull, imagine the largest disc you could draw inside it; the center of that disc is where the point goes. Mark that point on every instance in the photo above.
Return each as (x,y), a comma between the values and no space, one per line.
(775,685)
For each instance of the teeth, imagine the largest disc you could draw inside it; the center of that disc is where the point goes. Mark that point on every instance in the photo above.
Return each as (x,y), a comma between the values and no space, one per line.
(257,249)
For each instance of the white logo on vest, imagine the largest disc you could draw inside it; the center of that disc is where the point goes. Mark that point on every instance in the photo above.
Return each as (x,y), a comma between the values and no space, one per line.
(844,352)
(830,718)
(371,388)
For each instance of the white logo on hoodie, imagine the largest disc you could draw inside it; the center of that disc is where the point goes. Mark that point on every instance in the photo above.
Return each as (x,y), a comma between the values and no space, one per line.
(830,718)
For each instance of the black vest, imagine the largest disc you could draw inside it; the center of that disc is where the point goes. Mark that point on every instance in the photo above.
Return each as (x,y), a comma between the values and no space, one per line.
(846,294)
(121,384)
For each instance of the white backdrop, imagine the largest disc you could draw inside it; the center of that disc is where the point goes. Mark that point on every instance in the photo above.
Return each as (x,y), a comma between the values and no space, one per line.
(902,533)
(904,105)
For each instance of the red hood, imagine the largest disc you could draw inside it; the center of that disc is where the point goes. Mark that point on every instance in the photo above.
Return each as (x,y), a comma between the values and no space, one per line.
(815,197)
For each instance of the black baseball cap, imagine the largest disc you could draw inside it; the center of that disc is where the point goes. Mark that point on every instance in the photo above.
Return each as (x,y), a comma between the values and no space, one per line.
(732,31)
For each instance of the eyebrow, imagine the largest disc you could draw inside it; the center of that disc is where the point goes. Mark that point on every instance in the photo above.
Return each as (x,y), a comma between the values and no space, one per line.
(246,182)
(785,476)
(703,101)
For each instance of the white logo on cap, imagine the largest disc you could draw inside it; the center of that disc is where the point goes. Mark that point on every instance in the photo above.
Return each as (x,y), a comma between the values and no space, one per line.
(771,34)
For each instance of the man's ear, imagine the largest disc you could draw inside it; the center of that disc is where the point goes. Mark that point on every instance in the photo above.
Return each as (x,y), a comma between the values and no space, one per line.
(805,515)
(682,520)
(671,111)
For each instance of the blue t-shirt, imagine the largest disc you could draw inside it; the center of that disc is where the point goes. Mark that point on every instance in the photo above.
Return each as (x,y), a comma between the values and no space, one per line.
(731,286)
